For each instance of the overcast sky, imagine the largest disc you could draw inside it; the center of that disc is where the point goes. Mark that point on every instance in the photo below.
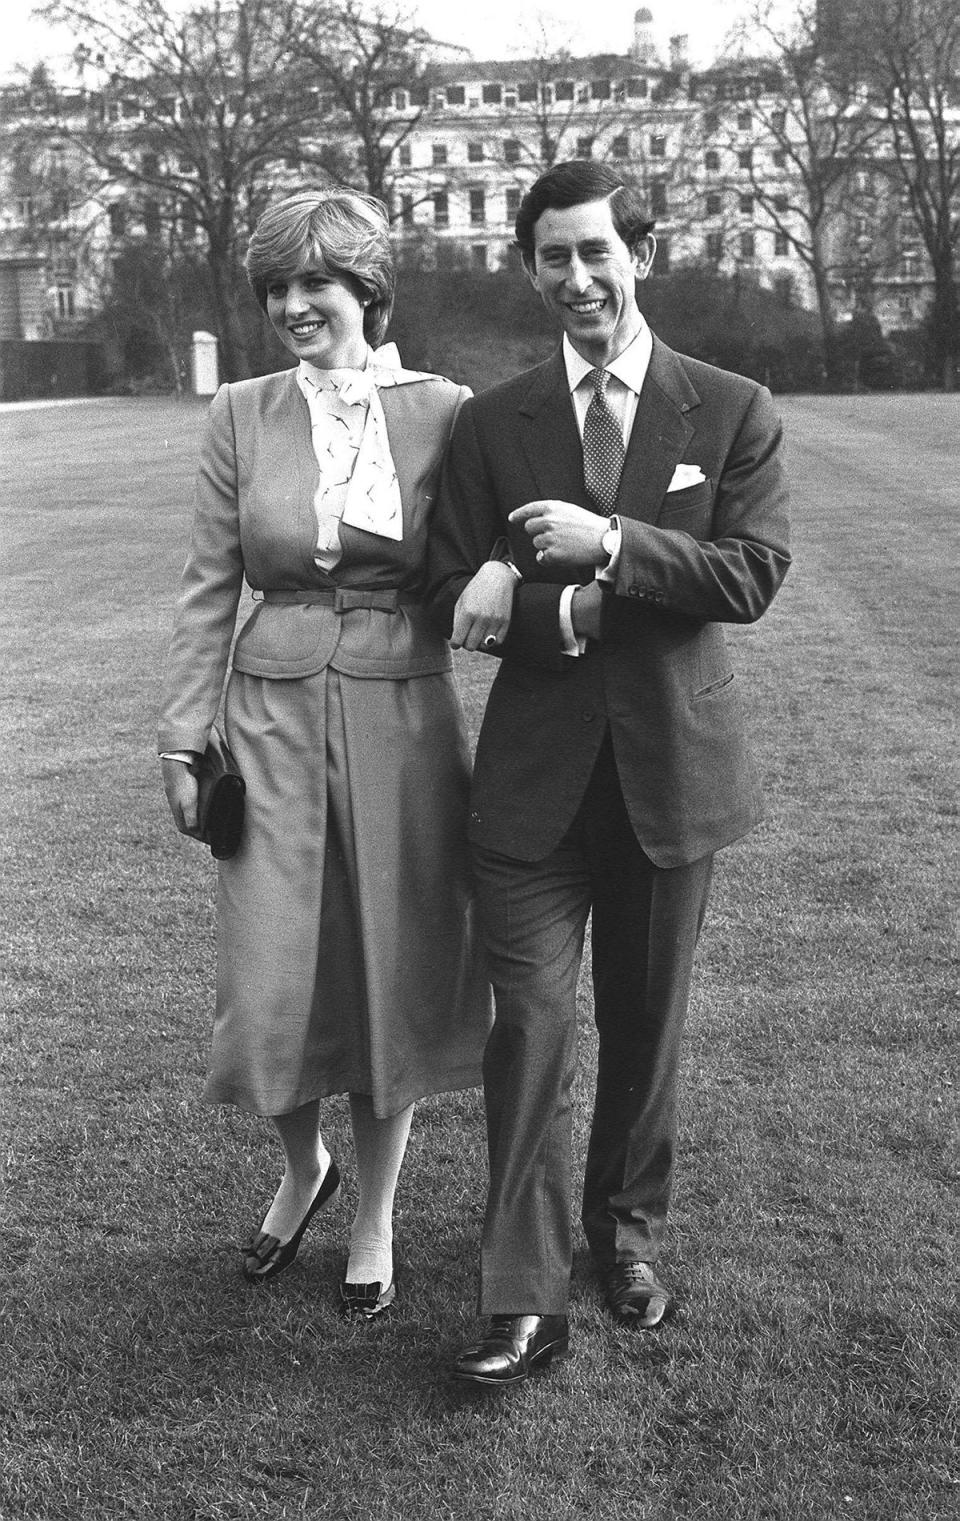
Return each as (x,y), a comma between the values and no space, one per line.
(488,28)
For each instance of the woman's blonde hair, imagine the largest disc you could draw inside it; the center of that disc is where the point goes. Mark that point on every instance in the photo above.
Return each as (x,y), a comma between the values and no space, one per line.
(341,231)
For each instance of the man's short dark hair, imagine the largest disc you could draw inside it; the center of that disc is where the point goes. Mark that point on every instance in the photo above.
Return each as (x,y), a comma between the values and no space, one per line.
(575,183)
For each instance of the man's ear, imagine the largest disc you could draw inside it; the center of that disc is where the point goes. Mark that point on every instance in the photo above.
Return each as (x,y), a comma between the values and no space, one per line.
(644,255)
(530,270)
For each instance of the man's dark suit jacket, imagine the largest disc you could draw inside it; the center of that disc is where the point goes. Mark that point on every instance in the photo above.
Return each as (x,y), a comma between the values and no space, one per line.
(692,559)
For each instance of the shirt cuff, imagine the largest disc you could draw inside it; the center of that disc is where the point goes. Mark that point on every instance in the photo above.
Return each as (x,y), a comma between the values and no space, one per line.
(612,543)
(570,644)
(187,756)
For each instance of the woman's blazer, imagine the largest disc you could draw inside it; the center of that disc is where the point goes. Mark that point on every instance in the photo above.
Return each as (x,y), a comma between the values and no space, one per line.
(254,519)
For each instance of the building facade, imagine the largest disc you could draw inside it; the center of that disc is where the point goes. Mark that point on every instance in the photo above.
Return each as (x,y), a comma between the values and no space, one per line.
(711,151)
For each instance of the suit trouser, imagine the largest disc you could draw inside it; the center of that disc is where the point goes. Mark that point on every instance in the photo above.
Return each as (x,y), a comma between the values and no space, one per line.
(646,921)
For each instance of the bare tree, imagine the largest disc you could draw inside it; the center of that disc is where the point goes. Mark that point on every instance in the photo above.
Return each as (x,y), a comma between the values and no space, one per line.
(191,123)
(809,135)
(908,54)
(360,57)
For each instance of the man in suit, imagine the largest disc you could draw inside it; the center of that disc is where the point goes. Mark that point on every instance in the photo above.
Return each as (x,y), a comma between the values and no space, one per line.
(641,494)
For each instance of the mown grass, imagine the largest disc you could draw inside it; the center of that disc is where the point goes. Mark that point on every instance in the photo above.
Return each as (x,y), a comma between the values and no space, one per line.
(810,1370)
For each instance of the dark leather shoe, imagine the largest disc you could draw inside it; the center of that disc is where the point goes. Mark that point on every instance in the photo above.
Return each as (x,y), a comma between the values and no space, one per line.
(635,1296)
(364,1301)
(513,1346)
(265,1256)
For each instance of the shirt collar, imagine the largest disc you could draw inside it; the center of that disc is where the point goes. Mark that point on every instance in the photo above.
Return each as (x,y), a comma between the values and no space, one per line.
(630,367)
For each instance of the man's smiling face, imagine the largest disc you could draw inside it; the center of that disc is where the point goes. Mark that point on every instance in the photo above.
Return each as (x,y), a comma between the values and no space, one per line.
(585,273)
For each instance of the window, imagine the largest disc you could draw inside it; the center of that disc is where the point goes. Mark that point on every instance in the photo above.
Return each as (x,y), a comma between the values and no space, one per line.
(714,203)
(600,89)
(456,95)
(25,209)
(399,100)
(714,247)
(151,219)
(783,289)
(658,198)
(65,302)
(746,205)
(513,202)
(474,153)
(779,159)
(184,166)
(492,94)
(441,209)
(584,147)
(778,121)
(662,263)
(747,245)
(745,158)
(118,219)
(419,95)
(711,122)
(439,155)
(711,159)
(511,151)
(406,210)
(636,88)
(563,89)
(658,147)
(478,208)
(780,203)
(620,147)
(905,306)
(744,121)
(781,245)
(151,165)
(527,93)
(478,256)
(405,156)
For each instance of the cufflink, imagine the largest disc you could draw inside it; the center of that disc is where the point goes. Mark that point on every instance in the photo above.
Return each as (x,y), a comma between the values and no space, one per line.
(610,542)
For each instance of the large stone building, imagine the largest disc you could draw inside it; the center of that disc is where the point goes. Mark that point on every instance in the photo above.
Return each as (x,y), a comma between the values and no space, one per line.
(711,151)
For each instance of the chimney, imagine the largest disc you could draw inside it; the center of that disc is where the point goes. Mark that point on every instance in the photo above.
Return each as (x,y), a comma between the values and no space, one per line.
(678,54)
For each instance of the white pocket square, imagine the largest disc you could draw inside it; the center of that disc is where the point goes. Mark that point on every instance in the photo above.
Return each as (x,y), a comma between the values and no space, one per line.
(686,475)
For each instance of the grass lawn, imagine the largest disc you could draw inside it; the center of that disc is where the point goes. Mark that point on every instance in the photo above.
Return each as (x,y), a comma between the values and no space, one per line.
(811,1369)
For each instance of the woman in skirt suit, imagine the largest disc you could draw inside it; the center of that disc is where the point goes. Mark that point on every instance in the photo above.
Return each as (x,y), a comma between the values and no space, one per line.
(346,954)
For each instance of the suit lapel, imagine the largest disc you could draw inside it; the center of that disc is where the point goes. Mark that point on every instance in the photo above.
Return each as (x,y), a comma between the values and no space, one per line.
(659,438)
(549,435)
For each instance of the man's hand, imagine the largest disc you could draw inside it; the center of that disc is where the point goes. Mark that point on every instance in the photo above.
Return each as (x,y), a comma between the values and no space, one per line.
(180,785)
(562,533)
(482,615)
(585,612)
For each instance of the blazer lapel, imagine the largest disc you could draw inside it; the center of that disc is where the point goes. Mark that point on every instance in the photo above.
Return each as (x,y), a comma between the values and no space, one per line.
(549,435)
(659,437)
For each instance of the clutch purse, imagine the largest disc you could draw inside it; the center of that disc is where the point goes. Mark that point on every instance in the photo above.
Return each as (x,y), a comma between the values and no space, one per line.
(220,800)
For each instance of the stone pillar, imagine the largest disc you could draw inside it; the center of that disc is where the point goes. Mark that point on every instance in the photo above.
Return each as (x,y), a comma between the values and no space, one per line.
(204,366)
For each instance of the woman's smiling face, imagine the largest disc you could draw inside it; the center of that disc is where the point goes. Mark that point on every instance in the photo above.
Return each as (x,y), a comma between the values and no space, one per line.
(318,316)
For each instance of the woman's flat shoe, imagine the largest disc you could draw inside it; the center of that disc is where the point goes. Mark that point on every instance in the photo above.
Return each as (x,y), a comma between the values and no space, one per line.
(266,1256)
(364,1301)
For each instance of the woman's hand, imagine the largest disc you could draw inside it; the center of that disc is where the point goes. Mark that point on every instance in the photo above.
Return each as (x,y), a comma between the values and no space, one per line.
(180,785)
(484,608)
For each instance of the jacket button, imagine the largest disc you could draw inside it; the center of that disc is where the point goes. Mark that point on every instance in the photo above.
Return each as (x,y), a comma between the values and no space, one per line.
(588,715)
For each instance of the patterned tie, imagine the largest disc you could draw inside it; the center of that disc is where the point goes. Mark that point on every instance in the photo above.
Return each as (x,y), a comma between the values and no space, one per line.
(603,449)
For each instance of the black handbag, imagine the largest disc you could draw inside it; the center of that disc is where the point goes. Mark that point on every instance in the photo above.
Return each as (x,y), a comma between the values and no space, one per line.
(220,798)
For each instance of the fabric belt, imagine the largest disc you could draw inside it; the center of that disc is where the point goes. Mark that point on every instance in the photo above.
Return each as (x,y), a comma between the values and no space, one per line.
(344,599)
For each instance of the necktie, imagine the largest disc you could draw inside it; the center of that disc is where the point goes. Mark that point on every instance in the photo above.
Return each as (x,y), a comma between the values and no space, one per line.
(603,449)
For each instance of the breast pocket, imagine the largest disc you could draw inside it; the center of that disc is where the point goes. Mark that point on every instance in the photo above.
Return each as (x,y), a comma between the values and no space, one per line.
(690,510)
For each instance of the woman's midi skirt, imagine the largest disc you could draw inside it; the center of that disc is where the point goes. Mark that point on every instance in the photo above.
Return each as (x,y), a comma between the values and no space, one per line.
(347,954)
